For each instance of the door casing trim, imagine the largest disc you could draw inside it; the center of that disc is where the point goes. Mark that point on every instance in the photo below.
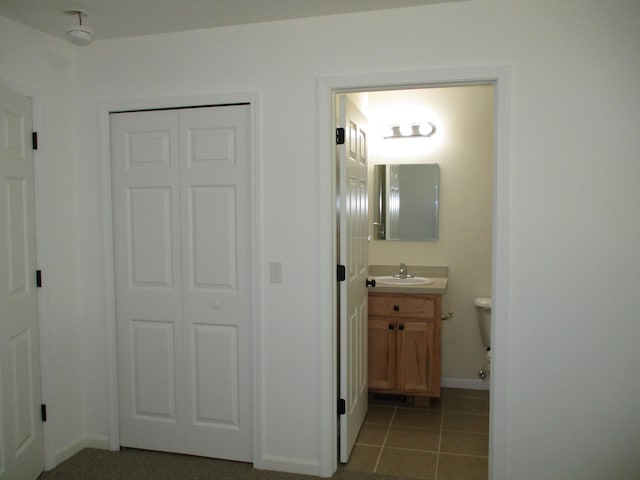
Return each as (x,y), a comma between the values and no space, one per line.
(327,88)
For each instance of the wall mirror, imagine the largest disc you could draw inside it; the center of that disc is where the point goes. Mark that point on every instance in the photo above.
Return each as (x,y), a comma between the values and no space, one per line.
(405,202)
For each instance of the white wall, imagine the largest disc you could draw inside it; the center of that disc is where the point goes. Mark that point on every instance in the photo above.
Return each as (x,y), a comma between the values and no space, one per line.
(40,66)
(463,147)
(573,326)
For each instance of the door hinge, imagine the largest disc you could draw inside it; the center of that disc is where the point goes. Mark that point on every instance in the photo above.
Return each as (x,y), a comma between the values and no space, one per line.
(43,412)
(39,278)
(34,140)
(340,136)
(342,273)
(342,406)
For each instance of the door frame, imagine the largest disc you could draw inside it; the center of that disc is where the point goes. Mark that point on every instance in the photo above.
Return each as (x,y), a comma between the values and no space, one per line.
(327,88)
(253,100)
(39,161)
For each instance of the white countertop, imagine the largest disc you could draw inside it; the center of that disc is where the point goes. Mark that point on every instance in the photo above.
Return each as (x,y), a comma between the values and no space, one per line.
(438,287)
(440,275)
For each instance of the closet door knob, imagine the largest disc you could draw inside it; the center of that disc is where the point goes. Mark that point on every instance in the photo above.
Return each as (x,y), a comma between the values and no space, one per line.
(391,327)
(401,327)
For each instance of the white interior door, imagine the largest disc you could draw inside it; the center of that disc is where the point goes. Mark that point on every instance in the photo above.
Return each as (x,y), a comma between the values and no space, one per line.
(182,233)
(353,291)
(21,443)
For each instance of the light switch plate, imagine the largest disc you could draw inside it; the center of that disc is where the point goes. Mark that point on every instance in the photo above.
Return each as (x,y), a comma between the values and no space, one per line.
(275,272)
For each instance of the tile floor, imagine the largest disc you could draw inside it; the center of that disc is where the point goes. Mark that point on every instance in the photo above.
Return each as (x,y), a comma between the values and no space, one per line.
(448,440)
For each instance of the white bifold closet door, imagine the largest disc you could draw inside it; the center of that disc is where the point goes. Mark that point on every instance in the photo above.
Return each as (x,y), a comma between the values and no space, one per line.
(182,245)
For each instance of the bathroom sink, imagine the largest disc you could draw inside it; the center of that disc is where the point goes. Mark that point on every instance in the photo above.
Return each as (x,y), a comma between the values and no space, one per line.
(403,281)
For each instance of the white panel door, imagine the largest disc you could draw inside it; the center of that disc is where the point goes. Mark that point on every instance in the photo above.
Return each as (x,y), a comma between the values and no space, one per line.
(216,279)
(183,280)
(21,442)
(146,224)
(353,291)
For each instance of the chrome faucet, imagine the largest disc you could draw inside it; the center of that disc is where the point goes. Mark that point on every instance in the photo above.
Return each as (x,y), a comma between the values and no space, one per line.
(403,272)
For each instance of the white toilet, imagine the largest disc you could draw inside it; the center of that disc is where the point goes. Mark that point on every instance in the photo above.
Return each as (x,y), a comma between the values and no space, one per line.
(483,308)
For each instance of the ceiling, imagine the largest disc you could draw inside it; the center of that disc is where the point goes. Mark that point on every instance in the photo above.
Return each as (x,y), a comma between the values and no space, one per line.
(125,18)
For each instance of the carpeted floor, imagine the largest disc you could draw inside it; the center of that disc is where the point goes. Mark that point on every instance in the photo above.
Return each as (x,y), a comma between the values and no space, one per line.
(131,464)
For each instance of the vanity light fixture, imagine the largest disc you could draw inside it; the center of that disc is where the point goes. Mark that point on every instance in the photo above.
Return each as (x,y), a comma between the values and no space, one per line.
(80,35)
(424,129)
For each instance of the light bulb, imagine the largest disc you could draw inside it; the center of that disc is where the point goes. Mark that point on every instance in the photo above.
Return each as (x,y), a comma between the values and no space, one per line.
(427,129)
(386,131)
(406,130)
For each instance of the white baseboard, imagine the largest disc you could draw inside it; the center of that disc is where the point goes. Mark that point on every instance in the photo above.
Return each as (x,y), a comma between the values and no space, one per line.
(470,383)
(80,443)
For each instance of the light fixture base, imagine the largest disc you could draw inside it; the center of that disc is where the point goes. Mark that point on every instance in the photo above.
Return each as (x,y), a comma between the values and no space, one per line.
(75,12)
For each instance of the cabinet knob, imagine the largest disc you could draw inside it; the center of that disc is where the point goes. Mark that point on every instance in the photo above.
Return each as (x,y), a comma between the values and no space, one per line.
(401,327)
(396,308)
(391,327)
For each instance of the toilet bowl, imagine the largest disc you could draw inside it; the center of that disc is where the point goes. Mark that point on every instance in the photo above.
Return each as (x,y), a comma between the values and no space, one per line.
(483,310)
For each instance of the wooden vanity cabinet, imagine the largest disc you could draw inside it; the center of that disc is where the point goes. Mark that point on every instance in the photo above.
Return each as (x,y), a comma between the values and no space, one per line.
(404,343)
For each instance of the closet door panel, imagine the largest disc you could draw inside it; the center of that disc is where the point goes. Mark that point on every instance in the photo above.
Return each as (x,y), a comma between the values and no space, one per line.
(216,272)
(146,225)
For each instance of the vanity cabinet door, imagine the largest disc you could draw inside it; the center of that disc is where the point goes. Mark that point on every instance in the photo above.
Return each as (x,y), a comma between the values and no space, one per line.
(382,354)
(414,345)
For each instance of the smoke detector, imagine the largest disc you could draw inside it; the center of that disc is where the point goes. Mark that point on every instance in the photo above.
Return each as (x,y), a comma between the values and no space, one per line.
(80,35)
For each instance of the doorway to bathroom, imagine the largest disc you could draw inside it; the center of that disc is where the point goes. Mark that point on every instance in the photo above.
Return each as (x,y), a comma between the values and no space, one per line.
(469,215)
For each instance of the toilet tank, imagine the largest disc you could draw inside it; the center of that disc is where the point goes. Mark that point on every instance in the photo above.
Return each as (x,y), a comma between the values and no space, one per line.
(483,310)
